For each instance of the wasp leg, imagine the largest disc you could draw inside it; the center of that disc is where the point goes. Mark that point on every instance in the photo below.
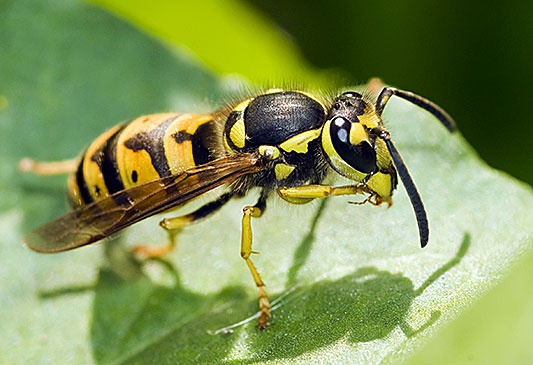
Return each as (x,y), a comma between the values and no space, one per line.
(175,225)
(48,168)
(246,250)
(305,193)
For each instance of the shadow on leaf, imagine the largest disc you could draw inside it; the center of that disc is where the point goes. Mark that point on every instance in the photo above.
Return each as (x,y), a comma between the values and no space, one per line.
(359,307)
(131,312)
(138,320)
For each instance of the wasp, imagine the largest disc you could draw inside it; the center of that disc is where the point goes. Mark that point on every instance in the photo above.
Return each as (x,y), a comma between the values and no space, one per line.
(282,142)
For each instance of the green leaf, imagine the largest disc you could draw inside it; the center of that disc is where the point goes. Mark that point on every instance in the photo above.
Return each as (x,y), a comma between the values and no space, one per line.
(349,283)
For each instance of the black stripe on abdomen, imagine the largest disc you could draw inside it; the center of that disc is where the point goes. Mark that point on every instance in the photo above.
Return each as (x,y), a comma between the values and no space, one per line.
(201,142)
(109,166)
(82,184)
(153,143)
(106,159)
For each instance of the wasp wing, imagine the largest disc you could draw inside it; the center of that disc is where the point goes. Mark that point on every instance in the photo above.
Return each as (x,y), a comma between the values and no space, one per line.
(102,218)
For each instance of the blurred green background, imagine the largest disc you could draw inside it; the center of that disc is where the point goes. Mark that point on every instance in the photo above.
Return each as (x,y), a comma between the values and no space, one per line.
(473,58)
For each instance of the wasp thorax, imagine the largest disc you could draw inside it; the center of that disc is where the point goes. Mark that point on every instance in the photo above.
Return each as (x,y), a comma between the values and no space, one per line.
(271,119)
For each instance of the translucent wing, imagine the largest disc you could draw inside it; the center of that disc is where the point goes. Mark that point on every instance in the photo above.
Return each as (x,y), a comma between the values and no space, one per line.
(102,218)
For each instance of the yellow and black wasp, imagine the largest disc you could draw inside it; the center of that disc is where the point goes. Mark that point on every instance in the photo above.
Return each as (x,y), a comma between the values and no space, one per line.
(279,141)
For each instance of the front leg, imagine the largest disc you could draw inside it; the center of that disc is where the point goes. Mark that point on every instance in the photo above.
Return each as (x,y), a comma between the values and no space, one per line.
(305,193)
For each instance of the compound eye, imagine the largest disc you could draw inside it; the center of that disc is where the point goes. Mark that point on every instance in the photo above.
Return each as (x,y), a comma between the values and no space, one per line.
(352,145)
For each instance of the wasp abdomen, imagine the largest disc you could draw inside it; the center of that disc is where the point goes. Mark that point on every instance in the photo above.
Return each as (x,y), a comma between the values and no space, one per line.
(146,149)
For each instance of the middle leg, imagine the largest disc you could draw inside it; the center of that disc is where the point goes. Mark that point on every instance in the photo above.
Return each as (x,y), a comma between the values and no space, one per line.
(246,251)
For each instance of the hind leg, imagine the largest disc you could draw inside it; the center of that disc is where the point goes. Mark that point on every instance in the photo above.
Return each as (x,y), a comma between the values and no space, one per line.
(175,225)
(49,167)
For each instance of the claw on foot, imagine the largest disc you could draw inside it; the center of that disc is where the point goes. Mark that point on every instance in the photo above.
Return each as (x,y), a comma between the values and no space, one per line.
(264,310)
